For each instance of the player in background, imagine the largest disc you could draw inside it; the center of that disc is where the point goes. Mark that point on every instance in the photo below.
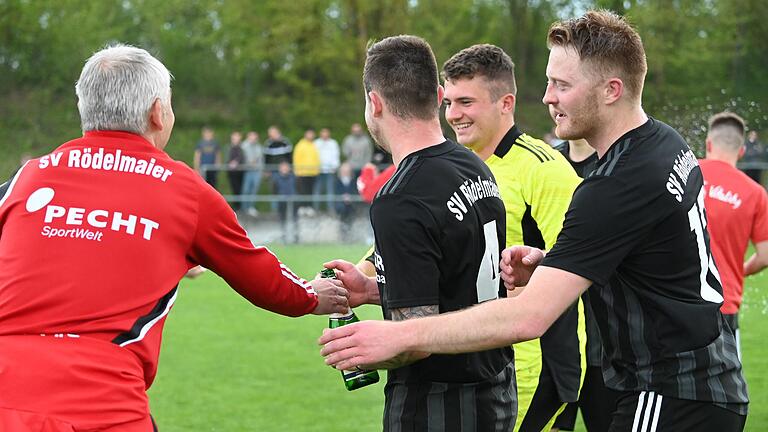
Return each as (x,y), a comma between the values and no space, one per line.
(80,341)
(634,236)
(536,185)
(438,225)
(737,212)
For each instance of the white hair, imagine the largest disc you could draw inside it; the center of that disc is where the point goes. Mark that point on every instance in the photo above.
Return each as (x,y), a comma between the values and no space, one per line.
(117,88)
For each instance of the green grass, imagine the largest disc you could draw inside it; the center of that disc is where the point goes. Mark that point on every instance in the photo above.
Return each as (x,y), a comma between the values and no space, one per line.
(227,366)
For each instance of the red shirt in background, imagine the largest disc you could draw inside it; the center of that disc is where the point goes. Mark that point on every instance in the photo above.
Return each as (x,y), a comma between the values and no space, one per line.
(737,212)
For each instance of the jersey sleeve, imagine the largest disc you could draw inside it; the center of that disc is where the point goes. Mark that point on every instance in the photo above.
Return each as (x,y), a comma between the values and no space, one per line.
(407,241)
(760,223)
(602,225)
(222,245)
(549,189)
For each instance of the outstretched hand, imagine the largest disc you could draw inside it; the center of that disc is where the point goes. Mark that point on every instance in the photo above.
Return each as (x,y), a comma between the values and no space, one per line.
(331,296)
(366,344)
(518,264)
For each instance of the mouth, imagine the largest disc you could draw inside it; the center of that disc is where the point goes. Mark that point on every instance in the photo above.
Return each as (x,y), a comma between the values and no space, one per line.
(461,126)
(558,116)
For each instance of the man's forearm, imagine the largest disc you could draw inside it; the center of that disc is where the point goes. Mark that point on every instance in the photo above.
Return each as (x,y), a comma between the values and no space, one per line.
(408,357)
(499,322)
(758,261)
(753,265)
(481,327)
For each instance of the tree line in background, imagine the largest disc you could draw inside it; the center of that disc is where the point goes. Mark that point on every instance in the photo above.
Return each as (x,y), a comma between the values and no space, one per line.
(243,64)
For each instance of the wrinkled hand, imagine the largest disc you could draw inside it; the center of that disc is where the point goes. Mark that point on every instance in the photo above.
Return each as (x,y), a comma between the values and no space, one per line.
(366,344)
(331,296)
(353,280)
(518,264)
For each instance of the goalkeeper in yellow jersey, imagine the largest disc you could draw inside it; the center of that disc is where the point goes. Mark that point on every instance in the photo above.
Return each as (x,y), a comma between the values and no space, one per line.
(536,184)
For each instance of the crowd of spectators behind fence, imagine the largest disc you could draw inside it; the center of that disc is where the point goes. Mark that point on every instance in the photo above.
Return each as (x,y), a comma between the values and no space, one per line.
(316,174)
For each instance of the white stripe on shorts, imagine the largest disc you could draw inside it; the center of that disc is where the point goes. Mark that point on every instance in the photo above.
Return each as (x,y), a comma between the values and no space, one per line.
(643,411)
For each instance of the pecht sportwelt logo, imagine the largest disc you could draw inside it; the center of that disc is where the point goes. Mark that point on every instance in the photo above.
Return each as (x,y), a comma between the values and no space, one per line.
(84,223)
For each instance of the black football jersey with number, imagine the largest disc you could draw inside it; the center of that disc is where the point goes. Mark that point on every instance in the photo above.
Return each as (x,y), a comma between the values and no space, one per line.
(636,228)
(439,228)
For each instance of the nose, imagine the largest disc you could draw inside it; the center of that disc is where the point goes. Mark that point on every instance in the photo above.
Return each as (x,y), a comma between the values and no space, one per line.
(452,112)
(549,97)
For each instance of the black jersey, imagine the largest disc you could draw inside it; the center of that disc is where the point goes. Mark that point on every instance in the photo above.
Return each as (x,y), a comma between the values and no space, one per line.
(439,228)
(636,228)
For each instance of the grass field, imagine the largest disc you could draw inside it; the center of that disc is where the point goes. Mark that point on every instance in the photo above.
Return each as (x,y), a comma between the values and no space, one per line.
(226,366)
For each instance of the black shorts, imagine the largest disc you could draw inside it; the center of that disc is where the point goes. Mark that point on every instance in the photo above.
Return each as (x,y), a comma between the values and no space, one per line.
(488,406)
(652,412)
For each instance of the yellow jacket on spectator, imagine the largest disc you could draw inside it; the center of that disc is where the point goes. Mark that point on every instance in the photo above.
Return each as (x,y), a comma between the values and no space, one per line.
(306,159)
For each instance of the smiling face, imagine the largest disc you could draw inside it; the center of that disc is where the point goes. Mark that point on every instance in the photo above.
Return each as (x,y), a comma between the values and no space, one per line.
(572,95)
(473,114)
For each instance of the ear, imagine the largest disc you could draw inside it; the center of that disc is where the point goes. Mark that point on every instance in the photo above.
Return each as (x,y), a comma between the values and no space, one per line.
(156,115)
(508,103)
(708,145)
(376,102)
(440,95)
(742,149)
(613,90)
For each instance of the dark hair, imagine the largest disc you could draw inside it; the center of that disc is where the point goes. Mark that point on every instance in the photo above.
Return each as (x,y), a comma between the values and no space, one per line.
(607,42)
(727,118)
(484,60)
(403,70)
(726,130)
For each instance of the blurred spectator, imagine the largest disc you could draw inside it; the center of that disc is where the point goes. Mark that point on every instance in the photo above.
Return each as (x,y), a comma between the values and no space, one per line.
(285,186)
(753,153)
(328,149)
(306,166)
(254,161)
(235,160)
(207,154)
(357,148)
(277,148)
(345,208)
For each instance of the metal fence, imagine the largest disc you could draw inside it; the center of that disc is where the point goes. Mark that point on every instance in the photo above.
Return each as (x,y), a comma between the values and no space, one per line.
(289,219)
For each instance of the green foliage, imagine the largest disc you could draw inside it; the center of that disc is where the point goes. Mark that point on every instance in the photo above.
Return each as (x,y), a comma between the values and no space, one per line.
(240,64)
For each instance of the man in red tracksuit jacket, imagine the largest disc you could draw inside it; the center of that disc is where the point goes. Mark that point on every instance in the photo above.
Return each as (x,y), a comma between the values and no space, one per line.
(79,341)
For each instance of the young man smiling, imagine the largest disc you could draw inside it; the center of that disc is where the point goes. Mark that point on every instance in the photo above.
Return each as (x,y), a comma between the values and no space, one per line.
(536,184)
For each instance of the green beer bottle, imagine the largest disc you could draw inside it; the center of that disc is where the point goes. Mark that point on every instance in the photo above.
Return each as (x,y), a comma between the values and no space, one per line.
(353,379)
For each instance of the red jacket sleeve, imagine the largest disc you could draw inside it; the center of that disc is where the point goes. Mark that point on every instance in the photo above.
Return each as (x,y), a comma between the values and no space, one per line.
(222,245)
